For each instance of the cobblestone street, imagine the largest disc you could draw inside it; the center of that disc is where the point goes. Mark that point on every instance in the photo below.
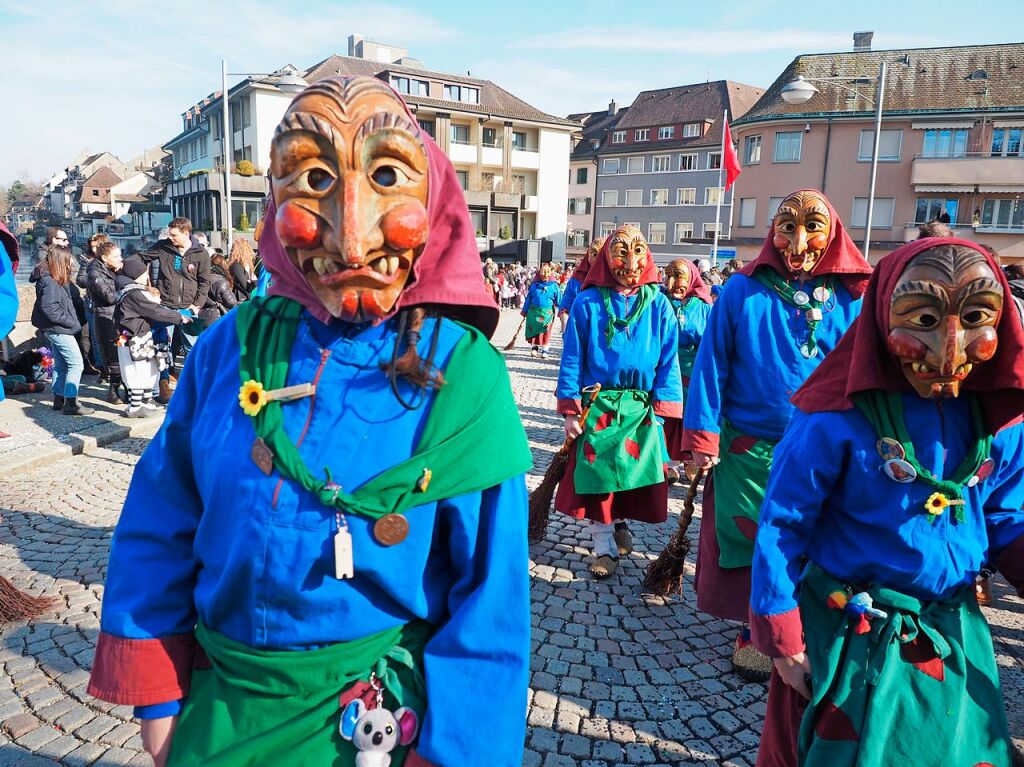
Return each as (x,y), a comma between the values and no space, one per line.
(619,677)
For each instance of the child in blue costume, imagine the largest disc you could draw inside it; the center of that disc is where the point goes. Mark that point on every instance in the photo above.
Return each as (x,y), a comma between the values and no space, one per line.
(772,326)
(304,549)
(899,476)
(575,282)
(539,310)
(623,335)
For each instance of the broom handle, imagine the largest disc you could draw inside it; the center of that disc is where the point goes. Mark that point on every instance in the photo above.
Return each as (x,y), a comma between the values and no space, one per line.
(691,496)
(521,323)
(583,418)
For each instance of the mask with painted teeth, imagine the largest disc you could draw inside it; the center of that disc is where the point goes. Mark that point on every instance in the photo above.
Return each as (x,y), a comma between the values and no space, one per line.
(349,174)
(627,255)
(802,228)
(942,318)
(677,278)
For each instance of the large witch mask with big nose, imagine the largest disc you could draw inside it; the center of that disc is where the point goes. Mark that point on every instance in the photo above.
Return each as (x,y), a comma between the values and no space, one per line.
(350,179)
(802,228)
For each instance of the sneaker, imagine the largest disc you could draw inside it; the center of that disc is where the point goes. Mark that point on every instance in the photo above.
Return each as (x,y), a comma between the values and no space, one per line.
(543,354)
(150,406)
(136,412)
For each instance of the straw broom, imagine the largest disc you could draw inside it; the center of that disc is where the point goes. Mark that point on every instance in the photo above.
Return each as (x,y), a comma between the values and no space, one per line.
(665,574)
(512,344)
(540,499)
(16,605)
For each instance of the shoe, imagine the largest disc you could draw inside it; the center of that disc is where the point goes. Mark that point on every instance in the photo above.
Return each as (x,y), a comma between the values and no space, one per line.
(534,352)
(543,354)
(671,474)
(71,407)
(983,591)
(58,402)
(150,407)
(113,397)
(91,370)
(165,392)
(136,412)
(749,662)
(604,566)
(623,539)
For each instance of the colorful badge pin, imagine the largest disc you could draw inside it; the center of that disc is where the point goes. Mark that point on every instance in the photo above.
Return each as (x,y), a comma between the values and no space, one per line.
(900,471)
(889,448)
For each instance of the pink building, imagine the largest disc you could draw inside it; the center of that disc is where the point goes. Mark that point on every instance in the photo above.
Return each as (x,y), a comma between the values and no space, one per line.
(951,145)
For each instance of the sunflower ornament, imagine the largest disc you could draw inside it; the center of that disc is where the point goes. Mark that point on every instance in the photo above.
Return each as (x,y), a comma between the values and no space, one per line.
(252,397)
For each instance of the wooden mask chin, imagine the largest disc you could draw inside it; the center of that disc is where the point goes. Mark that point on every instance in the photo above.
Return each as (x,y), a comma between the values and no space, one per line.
(350,177)
(802,228)
(942,318)
(627,255)
(677,278)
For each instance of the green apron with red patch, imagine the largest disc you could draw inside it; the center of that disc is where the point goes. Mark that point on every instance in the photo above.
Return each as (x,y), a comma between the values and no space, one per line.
(741,477)
(538,320)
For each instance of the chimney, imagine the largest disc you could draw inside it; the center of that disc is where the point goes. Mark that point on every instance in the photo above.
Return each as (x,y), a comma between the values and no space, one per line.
(611,107)
(862,41)
(353,41)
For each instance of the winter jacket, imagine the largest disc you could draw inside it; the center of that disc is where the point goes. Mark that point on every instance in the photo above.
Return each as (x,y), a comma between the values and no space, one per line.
(58,307)
(184,279)
(82,278)
(221,299)
(243,284)
(101,288)
(137,309)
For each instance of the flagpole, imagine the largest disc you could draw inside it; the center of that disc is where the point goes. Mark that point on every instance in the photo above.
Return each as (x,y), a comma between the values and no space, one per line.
(721,193)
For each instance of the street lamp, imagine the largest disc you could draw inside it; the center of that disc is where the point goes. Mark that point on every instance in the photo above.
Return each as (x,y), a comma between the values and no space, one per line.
(286,83)
(802,89)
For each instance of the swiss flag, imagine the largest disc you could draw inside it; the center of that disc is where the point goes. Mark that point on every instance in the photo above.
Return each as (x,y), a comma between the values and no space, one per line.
(730,161)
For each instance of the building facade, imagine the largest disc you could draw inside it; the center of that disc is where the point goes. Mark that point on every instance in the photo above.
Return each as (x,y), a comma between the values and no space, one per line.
(659,168)
(951,144)
(583,166)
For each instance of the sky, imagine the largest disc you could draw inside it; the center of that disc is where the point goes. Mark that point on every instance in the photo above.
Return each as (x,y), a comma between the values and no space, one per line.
(116,75)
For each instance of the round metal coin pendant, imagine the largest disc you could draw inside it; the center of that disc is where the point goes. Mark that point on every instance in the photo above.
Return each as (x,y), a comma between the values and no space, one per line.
(391,529)
(822,294)
(890,448)
(801,299)
(809,352)
(900,471)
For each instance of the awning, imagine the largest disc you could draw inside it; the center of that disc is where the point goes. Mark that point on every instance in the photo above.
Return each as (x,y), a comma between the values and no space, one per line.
(1004,188)
(1016,122)
(951,124)
(943,188)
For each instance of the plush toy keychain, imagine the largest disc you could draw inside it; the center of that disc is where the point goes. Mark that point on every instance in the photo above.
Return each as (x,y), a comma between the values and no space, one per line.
(376,732)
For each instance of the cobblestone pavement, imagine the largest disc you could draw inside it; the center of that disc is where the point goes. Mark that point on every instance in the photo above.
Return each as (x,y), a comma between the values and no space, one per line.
(619,677)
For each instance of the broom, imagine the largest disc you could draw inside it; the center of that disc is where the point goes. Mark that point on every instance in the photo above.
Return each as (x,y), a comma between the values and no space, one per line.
(16,605)
(540,499)
(512,344)
(665,574)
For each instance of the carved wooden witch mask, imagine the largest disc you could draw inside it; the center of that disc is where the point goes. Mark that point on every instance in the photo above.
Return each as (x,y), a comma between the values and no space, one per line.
(802,228)
(350,177)
(594,248)
(627,255)
(677,278)
(942,318)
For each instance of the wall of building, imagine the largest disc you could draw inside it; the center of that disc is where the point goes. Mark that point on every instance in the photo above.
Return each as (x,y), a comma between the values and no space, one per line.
(553,188)
(582,222)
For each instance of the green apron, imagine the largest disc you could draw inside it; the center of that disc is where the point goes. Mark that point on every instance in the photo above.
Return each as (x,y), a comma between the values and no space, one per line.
(622,447)
(277,707)
(687,356)
(538,320)
(883,699)
(740,482)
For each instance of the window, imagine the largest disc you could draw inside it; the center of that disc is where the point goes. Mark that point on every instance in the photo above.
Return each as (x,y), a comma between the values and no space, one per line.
(459,134)
(203,150)
(519,140)
(773,207)
(714,160)
(687,162)
(662,163)
(607,227)
(581,175)
(666,131)
(95,192)
(888,145)
(580,238)
(610,165)
(752,152)
(930,208)
(503,224)
(686,196)
(410,86)
(427,127)
(787,146)
(881,216)
(619,137)
(240,114)
(635,165)
(1006,142)
(1003,214)
(692,130)
(709,231)
(579,206)
(518,184)
(462,93)
(945,143)
(490,137)
(683,232)
(748,211)
(659,197)
(463,176)
(609,198)
(656,234)
(487,182)
(634,197)
(712,195)
(641,134)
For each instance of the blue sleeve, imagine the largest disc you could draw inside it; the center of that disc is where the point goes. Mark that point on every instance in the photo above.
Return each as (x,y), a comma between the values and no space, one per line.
(8,296)
(477,664)
(574,347)
(1004,517)
(711,367)
(668,381)
(159,710)
(572,287)
(799,485)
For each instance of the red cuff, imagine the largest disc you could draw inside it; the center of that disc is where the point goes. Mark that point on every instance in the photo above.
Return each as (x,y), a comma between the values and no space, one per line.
(142,672)
(570,407)
(778,636)
(1011,564)
(702,441)
(412,759)
(669,409)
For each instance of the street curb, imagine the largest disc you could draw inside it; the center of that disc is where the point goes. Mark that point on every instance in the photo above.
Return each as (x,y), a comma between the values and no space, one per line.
(78,443)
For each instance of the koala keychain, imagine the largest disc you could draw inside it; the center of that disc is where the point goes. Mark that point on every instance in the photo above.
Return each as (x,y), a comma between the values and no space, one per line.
(375,732)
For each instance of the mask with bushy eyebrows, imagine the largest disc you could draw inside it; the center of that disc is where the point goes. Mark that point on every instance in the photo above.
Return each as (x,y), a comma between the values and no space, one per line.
(942,318)
(349,175)
(594,248)
(802,228)
(677,278)
(627,255)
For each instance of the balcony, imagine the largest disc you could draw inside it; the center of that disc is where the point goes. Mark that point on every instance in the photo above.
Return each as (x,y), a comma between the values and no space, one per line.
(525,158)
(462,153)
(492,155)
(963,174)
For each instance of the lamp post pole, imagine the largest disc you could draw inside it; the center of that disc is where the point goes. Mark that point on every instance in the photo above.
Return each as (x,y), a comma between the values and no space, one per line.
(874,158)
(226,154)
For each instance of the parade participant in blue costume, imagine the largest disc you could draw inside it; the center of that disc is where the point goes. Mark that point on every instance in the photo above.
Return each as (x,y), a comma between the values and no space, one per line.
(8,288)
(772,326)
(899,476)
(579,274)
(539,310)
(305,551)
(622,334)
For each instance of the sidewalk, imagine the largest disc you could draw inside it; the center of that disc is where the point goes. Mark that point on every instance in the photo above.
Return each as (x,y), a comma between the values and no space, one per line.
(41,435)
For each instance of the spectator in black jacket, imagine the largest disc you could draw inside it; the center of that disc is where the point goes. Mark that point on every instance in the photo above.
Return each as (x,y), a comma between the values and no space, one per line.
(103,293)
(184,280)
(222,291)
(58,312)
(243,268)
(98,366)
